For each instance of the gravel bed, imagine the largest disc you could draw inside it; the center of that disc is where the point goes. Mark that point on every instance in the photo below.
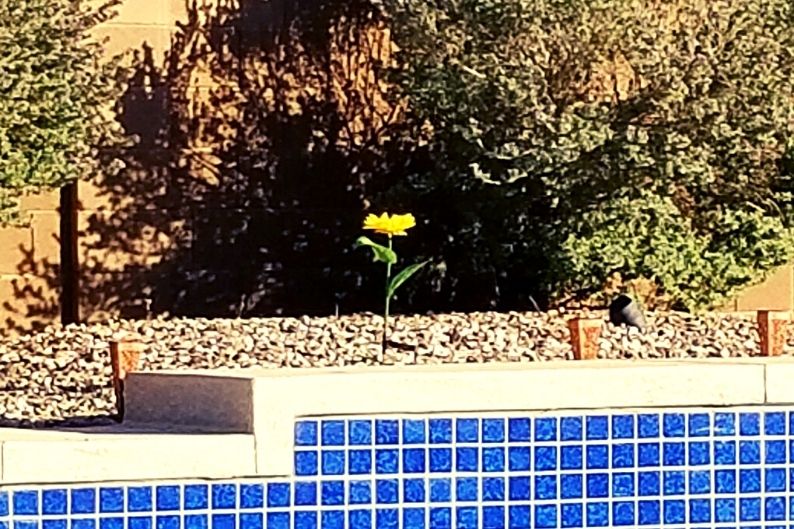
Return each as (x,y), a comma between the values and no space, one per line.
(62,375)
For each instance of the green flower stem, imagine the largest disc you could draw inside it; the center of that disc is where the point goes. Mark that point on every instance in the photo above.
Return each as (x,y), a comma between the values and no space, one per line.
(386,311)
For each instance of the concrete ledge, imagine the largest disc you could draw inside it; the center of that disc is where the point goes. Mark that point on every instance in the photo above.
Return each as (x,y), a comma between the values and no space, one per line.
(278,397)
(31,456)
(238,423)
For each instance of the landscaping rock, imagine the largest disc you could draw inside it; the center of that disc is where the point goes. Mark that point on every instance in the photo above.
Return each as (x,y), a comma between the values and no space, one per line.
(63,373)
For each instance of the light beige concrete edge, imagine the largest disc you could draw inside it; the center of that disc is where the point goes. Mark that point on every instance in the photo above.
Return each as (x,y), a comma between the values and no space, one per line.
(72,457)
(281,396)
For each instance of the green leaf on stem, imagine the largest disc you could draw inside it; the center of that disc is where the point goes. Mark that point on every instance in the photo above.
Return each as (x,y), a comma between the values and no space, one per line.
(382,253)
(403,276)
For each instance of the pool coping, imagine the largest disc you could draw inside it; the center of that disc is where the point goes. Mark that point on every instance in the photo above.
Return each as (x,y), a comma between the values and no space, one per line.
(237,423)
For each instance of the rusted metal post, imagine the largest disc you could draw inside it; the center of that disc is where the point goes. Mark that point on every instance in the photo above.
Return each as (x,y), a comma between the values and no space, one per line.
(124,358)
(772,331)
(584,337)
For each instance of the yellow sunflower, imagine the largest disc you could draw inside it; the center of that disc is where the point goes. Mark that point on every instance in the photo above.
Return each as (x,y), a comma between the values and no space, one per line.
(389,224)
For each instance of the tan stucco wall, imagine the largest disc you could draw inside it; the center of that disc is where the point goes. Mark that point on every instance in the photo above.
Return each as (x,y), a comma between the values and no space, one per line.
(29,259)
(167,225)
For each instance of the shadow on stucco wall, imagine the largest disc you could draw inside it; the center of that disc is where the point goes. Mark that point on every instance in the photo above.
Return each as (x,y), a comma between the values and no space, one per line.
(257,140)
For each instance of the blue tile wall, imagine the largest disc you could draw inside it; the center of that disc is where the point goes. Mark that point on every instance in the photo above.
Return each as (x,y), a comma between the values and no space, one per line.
(673,468)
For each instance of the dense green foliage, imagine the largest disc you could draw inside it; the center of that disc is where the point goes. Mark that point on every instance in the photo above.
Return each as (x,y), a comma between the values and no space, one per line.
(56,93)
(579,138)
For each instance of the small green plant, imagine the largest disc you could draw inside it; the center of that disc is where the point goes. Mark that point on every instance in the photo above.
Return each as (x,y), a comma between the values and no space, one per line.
(391,226)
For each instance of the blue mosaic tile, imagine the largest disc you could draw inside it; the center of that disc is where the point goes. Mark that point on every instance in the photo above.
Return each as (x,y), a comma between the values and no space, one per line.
(571,429)
(519,458)
(674,454)
(546,487)
(387,432)
(224,495)
(571,458)
(167,498)
(623,455)
(4,506)
(196,521)
(360,432)
(414,431)
(251,520)
(414,490)
(51,524)
(545,516)
(649,483)
(25,502)
(749,424)
(649,512)
(699,482)
(466,518)
(493,430)
(493,459)
(571,486)
(332,432)
(387,518)
(277,520)
(623,513)
(493,489)
(414,460)
(55,501)
(493,517)
(623,427)
(674,482)
(305,520)
(749,452)
(674,511)
(139,522)
(111,500)
(440,431)
(387,461)
(545,458)
(673,425)
(699,425)
(546,429)
(222,521)
(441,518)
(699,453)
(359,462)
(306,433)
(387,491)
(306,493)
(775,423)
(139,499)
(332,492)
(597,427)
(571,514)
(597,456)
(25,524)
(360,519)
(278,494)
(519,488)
(648,426)
(518,429)
(597,514)
(332,462)
(467,430)
(519,516)
(724,424)
(440,460)
(597,485)
(332,519)
(83,501)
(83,523)
(111,523)
(441,490)
(467,459)
(252,496)
(413,518)
(306,463)
(167,522)
(774,452)
(466,489)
